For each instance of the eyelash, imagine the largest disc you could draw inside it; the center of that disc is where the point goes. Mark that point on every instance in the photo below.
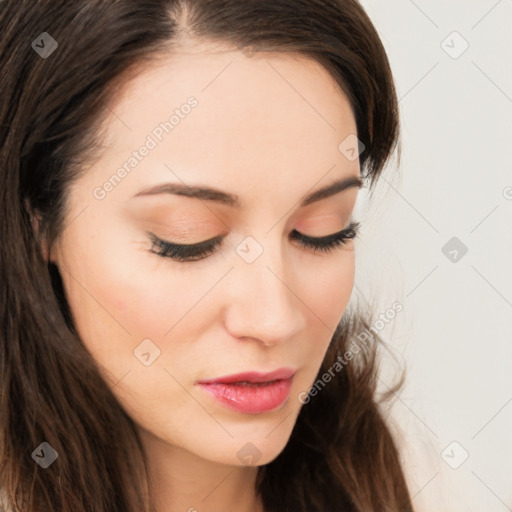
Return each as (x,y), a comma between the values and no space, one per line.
(195,252)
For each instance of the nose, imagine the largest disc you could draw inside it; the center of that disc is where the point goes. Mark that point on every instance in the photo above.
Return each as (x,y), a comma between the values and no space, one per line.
(266,302)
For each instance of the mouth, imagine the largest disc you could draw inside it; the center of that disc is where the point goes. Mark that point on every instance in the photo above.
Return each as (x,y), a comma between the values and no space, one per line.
(251,393)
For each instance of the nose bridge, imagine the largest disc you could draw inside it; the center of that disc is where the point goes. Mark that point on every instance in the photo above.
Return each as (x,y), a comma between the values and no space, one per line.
(265,305)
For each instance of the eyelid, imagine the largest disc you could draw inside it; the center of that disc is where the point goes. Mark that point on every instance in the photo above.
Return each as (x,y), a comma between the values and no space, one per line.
(352,226)
(153,238)
(193,252)
(199,251)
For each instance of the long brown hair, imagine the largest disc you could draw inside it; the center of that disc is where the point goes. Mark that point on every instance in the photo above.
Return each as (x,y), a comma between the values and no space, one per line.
(341,454)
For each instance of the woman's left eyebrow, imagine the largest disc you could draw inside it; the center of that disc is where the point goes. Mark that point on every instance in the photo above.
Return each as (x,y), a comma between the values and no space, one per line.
(206,193)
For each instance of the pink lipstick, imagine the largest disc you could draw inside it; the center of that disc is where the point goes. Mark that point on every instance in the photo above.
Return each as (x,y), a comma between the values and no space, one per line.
(251,392)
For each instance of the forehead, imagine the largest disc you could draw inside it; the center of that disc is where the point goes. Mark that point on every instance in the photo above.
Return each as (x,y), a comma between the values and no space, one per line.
(265,119)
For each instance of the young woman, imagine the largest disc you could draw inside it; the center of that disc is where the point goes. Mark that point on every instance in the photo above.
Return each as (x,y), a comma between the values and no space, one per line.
(178,182)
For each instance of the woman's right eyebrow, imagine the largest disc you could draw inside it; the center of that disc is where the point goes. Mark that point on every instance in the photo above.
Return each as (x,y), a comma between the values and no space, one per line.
(207,193)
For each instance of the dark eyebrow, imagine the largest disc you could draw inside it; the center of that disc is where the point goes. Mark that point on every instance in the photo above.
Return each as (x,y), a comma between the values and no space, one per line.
(211,194)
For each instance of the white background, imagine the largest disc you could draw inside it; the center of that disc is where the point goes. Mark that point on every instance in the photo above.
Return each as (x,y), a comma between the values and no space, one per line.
(454,333)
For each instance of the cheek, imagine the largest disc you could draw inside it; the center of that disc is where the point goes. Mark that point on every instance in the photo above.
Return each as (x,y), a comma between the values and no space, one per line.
(325,291)
(155,309)
(138,302)
(331,285)
(151,302)
(117,310)
(111,296)
(331,290)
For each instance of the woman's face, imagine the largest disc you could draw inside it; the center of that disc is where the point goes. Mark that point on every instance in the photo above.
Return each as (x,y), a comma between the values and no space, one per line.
(267,130)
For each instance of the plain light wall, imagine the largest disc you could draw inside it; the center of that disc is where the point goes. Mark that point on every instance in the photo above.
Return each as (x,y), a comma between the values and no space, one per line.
(452,67)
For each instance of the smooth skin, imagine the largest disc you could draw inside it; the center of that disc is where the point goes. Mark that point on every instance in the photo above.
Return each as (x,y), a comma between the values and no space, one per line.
(266,128)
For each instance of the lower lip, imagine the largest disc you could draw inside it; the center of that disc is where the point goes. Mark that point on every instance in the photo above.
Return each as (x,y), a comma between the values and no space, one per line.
(251,398)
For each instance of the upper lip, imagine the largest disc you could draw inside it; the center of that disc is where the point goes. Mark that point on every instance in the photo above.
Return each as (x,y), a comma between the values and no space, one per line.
(280,373)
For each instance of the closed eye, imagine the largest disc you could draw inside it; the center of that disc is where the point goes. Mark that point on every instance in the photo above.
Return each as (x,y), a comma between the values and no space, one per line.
(195,252)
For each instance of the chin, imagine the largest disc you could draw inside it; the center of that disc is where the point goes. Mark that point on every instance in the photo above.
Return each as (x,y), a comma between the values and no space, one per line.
(250,451)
